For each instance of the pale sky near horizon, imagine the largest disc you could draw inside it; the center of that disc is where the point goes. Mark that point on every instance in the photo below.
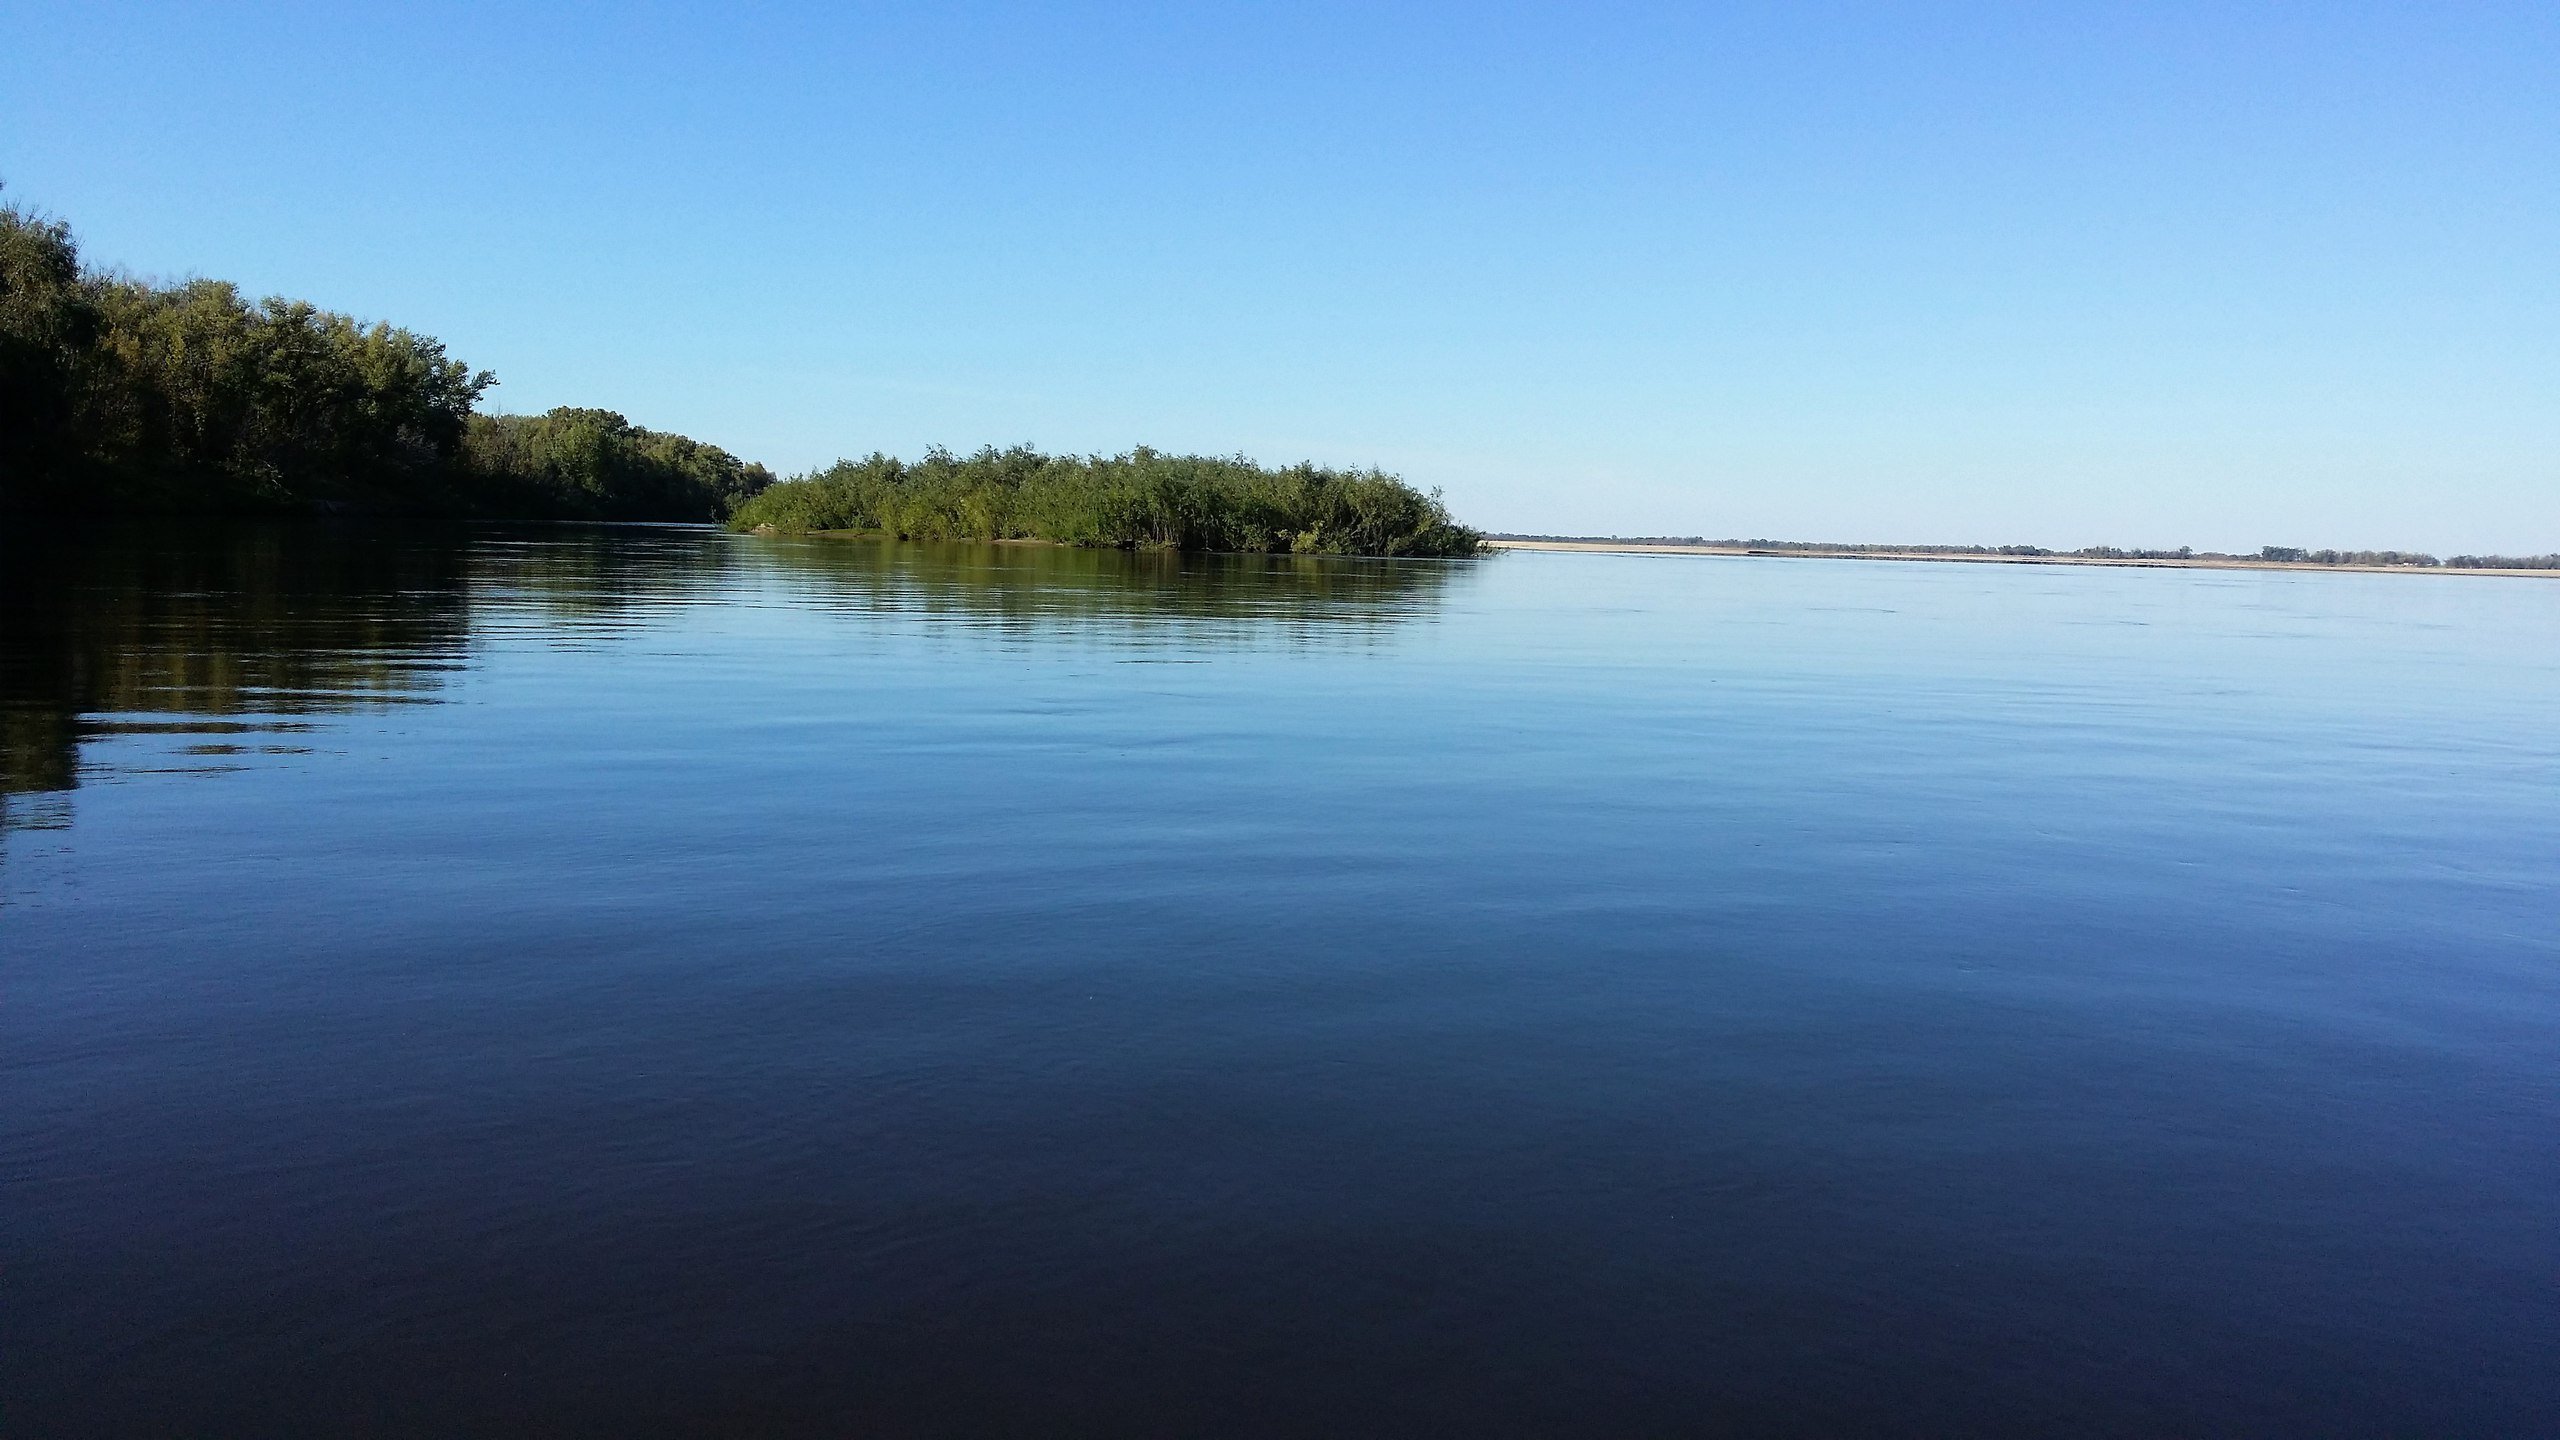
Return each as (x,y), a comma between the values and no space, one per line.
(2222,275)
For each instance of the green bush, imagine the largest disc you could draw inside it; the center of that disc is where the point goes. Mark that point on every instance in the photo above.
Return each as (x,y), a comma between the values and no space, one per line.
(1142,499)
(594,464)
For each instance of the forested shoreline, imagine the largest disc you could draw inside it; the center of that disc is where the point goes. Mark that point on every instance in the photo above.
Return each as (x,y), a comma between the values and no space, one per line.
(123,397)
(120,396)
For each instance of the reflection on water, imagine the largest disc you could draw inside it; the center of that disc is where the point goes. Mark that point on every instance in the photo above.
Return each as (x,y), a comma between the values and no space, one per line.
(229,644)
(223,644)
(1025,590)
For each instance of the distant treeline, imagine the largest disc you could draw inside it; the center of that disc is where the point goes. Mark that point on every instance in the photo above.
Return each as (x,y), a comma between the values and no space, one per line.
(1819,547)
(118,395)
(2504,562)
(2295,555)
(2291,555)
(1143,498)
(2270,554)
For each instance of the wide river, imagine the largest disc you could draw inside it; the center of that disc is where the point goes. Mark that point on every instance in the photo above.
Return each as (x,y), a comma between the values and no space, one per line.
(629,981)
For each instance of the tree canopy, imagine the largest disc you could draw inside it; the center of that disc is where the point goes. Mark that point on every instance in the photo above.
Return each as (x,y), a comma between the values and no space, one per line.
(120,395)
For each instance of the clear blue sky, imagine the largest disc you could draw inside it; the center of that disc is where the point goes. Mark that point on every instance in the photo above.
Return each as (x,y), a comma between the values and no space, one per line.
(2225,274)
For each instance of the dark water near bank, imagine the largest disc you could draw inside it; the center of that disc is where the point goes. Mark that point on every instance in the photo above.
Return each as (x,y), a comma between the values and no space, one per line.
(655,982)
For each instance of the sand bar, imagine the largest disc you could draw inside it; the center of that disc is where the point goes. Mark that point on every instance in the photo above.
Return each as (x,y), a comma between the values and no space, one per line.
(2198,562)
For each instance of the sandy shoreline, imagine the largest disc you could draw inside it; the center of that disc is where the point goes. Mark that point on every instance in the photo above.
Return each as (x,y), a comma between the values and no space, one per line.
(1621,547)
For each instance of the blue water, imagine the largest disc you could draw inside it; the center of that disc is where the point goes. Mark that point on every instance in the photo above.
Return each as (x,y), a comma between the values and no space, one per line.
(649,981)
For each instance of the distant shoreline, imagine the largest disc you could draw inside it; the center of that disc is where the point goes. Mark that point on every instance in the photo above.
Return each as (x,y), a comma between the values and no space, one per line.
(2195,562)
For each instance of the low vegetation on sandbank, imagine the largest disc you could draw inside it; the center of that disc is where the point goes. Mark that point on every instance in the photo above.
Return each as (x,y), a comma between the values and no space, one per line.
(1142,499)
(2265,555)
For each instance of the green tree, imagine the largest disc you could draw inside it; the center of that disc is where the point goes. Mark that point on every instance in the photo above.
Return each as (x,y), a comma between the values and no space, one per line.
(48,330)
(594,464)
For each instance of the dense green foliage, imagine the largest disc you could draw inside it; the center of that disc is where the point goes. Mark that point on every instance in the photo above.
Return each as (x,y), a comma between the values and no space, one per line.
(1140,499)
(118,395)
(593,464)
(48,328)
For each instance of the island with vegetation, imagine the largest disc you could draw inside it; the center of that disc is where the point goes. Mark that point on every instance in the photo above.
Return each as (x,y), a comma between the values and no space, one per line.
(1140,499)
(120,396)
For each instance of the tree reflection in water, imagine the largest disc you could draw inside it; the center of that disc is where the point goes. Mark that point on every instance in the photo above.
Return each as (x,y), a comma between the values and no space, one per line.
(231,643)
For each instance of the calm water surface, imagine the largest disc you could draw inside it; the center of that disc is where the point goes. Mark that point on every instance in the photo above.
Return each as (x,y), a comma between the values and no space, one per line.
(631,981)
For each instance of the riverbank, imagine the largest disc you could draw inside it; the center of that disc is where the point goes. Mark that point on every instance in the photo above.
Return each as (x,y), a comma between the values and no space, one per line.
(2198,562)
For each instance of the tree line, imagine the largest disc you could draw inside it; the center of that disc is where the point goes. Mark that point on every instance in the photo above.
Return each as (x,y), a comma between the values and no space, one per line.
(2505,562)
(123,396)
(2295,555)
(120,395)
